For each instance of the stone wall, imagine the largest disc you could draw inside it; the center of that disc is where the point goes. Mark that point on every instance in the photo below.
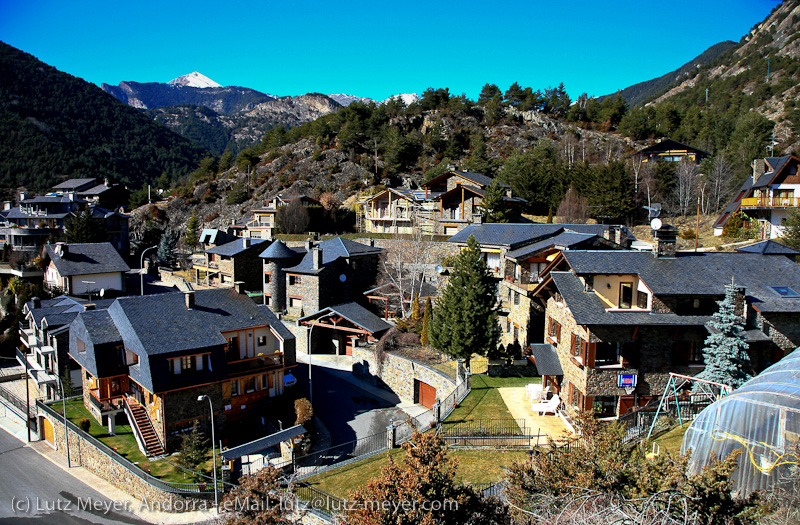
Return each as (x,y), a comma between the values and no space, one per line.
(782,328)
(102,464)
(397,373)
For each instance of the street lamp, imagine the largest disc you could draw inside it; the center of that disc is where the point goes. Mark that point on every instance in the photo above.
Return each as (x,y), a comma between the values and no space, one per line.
(310,391)
(213,450)
(141,268)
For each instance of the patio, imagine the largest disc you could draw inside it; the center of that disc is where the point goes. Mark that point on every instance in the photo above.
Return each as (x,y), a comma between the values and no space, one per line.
(520,408)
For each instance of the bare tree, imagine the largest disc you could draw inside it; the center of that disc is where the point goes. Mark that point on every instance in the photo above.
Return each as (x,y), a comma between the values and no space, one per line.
(573,209)
(293,218)
(407,267)
(686,185)
(720,181)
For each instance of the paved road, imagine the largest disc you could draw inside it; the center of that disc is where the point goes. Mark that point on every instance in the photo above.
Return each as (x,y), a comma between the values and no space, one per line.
(33,489)
(348,412)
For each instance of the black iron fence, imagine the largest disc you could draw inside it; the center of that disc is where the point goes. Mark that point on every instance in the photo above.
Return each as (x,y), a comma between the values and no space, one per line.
(491,433)
(338,455)
(318,502)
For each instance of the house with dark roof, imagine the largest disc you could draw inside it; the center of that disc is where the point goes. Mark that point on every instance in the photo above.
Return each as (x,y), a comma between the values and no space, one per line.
(770,248)
(619,321)
(213,342)
(397,210)
(329,272)
(668,150)
(235,261)
(44,335)
(766,196)
(84,269)
(103,193)
(518,253)
(342,327)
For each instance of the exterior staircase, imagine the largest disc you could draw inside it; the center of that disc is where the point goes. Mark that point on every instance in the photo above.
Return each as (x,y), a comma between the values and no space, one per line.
(144,428)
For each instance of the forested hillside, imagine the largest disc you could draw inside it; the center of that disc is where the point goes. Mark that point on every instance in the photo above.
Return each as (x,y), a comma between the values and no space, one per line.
(55,126)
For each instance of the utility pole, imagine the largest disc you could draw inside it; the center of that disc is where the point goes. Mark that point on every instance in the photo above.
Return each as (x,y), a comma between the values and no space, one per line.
(697,225)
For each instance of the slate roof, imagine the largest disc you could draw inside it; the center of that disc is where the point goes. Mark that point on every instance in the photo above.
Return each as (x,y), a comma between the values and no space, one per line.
(668,144)
(565,239)
(515,235)
(356,314)
(478,178)
(95,190)
(86,259)
(263,443)
(17,213)
(768,248)
(72,184)
(102,213)
(476,190)
(177,328)
(278,250)
(546,359)
(100,326)
(332,250)
(51,199)
(236,246)
(587,309)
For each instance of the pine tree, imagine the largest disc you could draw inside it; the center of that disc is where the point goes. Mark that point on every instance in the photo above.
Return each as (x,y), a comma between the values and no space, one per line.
(426,323)
(83,228)
(166,249)
(725,351)
(791,231)
(465,318)
(194,448)
(415,308)
(494,208)
(190,238)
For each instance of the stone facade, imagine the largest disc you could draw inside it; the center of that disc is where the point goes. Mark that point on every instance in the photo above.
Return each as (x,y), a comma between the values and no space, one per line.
(100,462)
(516,303)
(398,374)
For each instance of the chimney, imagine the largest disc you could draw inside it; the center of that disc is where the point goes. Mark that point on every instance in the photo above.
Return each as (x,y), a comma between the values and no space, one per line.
(37,303)
(245,242)
(665,242)
(309,245)
(189,298)
(89,306)
(372,242)
(759,168)
(61,249)
(239,287)
(316,258)
(6,205)
(607,233)
(620,237)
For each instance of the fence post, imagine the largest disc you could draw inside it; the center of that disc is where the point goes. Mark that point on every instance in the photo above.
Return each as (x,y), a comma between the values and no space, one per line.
(437,412)
(391,435)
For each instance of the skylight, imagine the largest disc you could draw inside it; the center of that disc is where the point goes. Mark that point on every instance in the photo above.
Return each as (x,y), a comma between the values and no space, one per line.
(784,291)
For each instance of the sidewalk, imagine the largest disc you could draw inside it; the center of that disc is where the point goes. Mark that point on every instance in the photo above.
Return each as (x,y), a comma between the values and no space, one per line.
(341,367)
(14,426)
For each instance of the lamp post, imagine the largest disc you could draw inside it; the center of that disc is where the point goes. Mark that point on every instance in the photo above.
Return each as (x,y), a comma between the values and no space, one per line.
(213,449)
(141,269)
(310,331)
(64,409)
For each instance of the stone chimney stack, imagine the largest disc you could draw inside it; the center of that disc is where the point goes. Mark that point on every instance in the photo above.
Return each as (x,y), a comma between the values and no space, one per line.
(309,245)
(37,303)
(665,242)
(189,298)
(759,168)
(245,242)
(316,258)
(239,287)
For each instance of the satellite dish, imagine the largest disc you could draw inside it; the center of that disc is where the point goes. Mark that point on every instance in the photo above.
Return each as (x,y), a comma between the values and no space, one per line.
(343,277)
(656,224)
(102,292)
(439,268)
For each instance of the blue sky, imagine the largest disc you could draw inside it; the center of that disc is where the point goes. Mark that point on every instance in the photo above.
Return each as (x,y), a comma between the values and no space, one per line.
(376,49)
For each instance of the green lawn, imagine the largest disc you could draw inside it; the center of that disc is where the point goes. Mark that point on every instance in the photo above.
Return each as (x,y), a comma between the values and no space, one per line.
(124,444)
(484,401)
(474,466)
(671,441)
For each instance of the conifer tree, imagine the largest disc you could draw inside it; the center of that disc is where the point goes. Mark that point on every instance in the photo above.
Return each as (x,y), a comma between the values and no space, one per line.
(194,448)
(426,323)
(83,228)
(166,249)
(493,207)
(725,351)
(465,318)
(190,238)
(415,308)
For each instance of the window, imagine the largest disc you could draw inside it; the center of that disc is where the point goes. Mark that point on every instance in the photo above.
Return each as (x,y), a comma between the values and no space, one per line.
(607,353)
(295,302)
(187,363)
(508,325)
(784,291)
(250,384)
(234,388)
(516,333)
(605,405)
(81,345)
(625,295)
(294,279)
(262,340)
(554,330)
(267,278)
(175,366)
(576,345)
(696,353)
(516,298)
(641,300)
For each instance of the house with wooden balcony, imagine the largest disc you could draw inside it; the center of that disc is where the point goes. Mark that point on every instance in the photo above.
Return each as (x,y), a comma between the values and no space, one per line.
(619,318)
(767,196)
(151,356)
(668,150)
(44,338)
(232,262)
(517,254)
(398,210)
(263,225)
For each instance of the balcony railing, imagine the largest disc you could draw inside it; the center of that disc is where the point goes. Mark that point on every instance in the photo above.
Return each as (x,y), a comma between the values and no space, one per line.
(771,202)
(34,369)
(236,368)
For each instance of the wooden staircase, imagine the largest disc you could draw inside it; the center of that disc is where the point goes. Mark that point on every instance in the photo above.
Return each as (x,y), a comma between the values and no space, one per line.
(144,427)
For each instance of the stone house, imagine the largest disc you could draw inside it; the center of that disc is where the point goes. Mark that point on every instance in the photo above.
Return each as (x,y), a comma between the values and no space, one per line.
(767,196)
(234,261)
(84,269)
(518,253)
(213,342)
(609,314)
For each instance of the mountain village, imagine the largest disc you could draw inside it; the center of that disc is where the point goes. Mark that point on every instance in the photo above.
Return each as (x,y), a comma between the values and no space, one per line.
(301,330)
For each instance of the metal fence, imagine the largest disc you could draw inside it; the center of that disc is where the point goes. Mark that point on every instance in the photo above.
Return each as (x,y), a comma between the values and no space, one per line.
(637,424)
(19,407)
(186,489)
(491,433)
(339,455)
(318,502)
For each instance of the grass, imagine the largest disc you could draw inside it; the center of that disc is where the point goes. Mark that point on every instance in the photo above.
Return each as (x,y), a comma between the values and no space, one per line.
(474,466)
(124,444)
(671,441)
(484,401)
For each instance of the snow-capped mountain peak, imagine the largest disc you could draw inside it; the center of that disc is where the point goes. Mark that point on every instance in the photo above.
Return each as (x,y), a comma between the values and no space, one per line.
(195,79)
(407,98)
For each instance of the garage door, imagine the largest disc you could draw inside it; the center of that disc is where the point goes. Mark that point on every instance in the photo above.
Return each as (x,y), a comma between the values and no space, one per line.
(426,394)
(47,431)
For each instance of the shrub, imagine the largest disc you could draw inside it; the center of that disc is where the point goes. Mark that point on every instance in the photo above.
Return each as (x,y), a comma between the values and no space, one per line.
(85,424)
(687,234)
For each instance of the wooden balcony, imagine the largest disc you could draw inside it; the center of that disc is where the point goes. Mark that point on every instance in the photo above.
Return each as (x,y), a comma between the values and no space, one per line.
(771,202)
(254,364)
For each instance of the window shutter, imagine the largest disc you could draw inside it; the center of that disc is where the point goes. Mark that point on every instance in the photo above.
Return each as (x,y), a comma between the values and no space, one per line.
(589,355)
(199,362)
(572,345)
(558,332)
(626,404)
(588,401)
(176,363)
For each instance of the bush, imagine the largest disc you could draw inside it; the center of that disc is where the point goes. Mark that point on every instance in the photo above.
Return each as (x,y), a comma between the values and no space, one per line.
(85,424)
(687,234)
(734,225)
